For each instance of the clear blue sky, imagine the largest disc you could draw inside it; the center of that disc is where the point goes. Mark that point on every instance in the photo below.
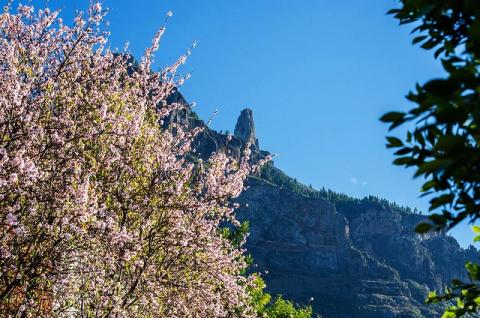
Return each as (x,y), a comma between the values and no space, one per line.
(318,74)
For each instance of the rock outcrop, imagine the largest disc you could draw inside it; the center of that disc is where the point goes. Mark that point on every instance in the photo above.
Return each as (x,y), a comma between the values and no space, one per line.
(245,127)
(211,141)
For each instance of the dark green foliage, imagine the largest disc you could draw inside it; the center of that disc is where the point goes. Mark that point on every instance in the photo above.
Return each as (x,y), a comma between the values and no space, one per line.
(443,145)
(236,235)
(277,177)
(281,308)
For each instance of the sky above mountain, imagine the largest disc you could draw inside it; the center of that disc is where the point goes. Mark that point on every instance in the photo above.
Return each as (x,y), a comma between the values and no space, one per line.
(317,75)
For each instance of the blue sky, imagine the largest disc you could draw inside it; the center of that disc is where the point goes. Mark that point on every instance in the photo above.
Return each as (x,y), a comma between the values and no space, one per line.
(318,74)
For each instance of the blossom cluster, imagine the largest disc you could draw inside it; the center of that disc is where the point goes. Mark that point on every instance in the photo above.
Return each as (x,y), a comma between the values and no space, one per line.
(102,213)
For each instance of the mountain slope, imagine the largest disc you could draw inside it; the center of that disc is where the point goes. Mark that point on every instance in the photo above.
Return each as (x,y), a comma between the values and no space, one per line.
(305,247)
(354,257)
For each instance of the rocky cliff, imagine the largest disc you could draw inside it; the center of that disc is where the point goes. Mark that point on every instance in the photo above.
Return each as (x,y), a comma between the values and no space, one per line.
(346,257)
(356,258)
(210,141)
(305,248)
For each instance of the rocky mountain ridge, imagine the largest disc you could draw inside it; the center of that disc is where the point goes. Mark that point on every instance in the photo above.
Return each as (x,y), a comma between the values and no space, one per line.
(346,257)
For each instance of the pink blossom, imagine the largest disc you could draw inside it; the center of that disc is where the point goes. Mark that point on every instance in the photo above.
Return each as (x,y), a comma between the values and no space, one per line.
(13,178)
(11,220)
(114,213)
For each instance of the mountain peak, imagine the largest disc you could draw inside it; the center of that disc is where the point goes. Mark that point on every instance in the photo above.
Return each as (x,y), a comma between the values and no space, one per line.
(245,127)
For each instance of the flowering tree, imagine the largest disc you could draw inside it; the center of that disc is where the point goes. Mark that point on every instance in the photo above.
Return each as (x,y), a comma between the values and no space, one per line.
(101,213)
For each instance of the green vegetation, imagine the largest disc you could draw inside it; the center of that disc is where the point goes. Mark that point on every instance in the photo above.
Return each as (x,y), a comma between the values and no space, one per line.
(443,145)
(277,177)
(267,307)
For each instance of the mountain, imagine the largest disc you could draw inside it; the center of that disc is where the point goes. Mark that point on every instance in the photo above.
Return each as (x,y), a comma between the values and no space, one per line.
(356,258)
(346,257)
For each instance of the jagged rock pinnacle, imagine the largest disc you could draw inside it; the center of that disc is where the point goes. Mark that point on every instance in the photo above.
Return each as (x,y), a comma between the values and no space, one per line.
(245,127)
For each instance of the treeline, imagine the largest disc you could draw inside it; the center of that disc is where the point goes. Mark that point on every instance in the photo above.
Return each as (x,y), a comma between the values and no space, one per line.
(274,175)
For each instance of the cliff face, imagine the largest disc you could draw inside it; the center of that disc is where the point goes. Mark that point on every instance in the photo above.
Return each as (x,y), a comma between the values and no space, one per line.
(356,258)
(305,247)
(245,127)
(346,257)
(387,234)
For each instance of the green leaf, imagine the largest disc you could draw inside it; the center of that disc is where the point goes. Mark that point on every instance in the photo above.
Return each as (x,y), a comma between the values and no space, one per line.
(441,87)
(428,185)
(477,300)
(441,200)
(423,228)
(473,270)
(430,44)
(419,137)
(394,142)
(392,117)
(476,229)
(433,166)
(403,161)
(403,151)
(393,11)
(438,219)
(439,51)
(419,39)
(449,314)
